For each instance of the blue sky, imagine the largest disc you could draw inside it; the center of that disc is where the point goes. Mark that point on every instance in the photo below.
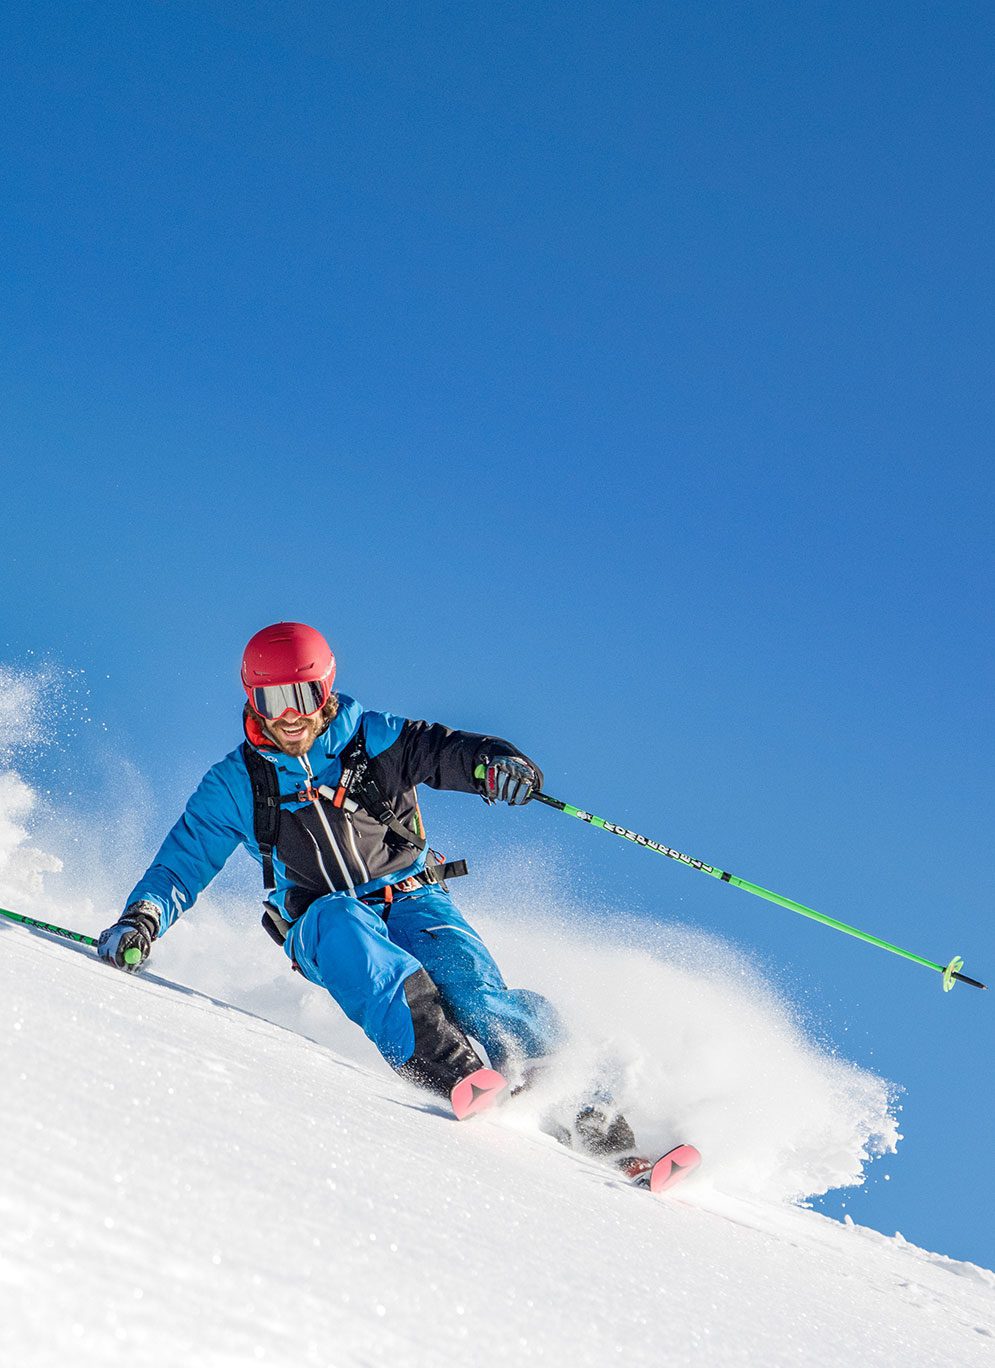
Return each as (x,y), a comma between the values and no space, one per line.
(617,378)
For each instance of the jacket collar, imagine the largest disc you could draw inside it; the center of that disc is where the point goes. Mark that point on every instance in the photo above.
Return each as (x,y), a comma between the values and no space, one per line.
(254,733)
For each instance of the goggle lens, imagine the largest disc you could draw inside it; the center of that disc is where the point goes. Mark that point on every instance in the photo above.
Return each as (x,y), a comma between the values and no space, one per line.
(273,700)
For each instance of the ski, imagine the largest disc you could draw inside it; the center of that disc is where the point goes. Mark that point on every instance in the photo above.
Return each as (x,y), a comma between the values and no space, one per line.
(665,1173)
(476,1093)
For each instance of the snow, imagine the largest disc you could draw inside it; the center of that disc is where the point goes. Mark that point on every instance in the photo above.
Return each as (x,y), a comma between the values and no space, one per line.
(205,1163)
(187,1182)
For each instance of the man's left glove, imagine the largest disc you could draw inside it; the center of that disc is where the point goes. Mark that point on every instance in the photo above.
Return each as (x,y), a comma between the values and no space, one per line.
(128,942)
(510,779)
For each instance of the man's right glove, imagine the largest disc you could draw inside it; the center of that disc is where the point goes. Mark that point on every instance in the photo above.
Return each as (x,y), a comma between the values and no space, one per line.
(128,942)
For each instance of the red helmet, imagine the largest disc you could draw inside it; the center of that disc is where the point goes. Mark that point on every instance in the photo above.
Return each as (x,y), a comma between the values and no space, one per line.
(288,667)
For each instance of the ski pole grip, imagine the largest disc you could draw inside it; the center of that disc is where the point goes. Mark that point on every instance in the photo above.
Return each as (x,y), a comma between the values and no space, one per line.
(133,956)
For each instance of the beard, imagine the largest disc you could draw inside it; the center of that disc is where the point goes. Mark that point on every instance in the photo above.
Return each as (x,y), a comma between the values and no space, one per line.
(301,741)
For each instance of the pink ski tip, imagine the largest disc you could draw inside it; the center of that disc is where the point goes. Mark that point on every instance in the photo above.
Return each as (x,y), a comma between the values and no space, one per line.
(477,1092)
(673,1168)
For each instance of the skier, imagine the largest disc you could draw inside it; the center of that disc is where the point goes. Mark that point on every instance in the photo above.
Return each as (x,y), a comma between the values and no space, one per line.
(323,795)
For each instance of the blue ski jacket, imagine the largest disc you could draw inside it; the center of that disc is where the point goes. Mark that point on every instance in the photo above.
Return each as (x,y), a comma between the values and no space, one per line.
(321,848)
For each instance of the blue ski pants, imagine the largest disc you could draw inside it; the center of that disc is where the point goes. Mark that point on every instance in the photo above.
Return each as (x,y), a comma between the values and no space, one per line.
(363,960)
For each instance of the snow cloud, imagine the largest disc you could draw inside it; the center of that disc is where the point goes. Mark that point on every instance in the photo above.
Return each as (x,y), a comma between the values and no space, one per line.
(695,1041)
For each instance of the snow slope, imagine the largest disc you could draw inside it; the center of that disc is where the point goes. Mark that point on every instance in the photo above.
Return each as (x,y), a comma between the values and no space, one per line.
(225,1173)
(186,1182)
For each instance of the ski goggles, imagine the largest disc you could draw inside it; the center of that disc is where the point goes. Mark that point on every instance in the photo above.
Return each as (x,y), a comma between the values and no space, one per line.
(273,700)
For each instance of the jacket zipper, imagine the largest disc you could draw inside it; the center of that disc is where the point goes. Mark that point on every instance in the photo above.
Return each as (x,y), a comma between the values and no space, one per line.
(321,862)
(350,829)
(347,808)
(333,844)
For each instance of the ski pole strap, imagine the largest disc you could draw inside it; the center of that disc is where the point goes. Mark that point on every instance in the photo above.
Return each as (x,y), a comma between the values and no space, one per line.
(949,971)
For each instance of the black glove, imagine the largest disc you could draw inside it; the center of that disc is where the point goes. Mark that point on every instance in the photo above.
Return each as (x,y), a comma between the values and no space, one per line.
(510,779)
(135,929)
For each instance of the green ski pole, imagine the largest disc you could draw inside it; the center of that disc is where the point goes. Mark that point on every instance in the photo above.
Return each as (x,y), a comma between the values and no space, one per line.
(951,972)
(132,956)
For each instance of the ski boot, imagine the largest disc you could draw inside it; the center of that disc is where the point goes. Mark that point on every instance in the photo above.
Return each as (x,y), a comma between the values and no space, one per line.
(604,1133)
(609,1137)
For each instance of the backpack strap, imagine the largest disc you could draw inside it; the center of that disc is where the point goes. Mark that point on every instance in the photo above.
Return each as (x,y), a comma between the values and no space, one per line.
(358,783)
(266,801)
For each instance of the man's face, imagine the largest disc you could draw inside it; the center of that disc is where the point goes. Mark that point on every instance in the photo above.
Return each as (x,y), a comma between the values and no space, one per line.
(295,734)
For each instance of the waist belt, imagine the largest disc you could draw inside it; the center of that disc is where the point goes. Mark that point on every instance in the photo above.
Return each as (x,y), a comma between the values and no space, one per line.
(434,875)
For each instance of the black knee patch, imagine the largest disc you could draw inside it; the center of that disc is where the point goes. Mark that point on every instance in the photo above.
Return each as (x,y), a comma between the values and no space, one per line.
(442,1054)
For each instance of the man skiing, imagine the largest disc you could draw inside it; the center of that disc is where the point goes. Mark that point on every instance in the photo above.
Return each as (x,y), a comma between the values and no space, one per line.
(323,795)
